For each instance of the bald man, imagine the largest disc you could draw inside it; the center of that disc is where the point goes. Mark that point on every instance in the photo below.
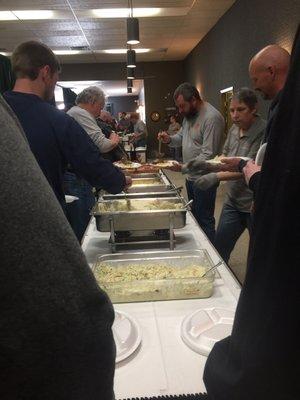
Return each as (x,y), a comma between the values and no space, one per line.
(268,71)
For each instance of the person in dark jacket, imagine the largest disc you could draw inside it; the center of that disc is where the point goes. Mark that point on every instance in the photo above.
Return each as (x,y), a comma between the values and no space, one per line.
(56,339)
(260,360)
(56,140)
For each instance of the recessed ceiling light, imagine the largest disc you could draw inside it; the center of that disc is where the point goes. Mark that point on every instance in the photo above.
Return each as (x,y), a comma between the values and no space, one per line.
(33,14)
(125,12)
(123,51)
(7,16)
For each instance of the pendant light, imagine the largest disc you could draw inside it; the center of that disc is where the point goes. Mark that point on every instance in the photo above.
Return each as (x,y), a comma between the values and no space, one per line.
(131,59)
(130,73)
(133,31)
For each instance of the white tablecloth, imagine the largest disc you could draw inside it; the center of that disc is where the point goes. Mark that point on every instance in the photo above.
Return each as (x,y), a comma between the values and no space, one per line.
(163,364)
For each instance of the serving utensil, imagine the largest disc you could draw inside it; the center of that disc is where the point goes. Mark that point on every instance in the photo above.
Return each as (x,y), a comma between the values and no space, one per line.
(212,268)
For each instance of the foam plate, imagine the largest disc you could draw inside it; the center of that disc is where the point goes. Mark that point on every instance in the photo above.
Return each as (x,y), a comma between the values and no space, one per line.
(127,335)
(202,329)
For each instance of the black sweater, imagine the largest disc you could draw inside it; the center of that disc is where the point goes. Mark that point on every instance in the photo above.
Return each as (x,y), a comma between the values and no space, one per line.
(260,360)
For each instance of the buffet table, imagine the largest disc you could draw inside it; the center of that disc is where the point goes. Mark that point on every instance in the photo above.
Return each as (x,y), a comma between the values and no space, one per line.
(163,364)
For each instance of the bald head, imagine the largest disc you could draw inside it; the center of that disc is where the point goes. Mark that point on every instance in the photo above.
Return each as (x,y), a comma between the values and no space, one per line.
(268,70)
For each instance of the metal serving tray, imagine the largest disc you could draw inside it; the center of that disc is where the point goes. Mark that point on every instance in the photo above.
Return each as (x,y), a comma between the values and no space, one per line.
(155,283)
(146,175)
(145,219)
(147,195)
(158,183)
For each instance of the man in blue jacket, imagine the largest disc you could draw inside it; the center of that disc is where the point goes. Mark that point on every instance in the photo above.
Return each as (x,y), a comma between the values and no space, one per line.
(56,140)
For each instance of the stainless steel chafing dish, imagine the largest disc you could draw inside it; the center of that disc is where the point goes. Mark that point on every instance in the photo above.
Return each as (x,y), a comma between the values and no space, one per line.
(150,276)
(149,183)
(147,195)
(140,214)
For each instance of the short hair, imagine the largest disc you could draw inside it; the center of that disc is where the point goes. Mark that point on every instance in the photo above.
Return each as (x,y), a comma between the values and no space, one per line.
(134,115)
(90,95)
(188,91)
(29,57)
(247,96)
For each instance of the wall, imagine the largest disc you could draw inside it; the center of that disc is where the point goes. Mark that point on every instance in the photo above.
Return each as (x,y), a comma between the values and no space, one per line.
(221,59)
(123,103)
(160,81)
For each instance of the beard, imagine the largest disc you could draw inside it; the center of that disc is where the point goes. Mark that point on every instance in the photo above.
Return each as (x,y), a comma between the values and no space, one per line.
(191,113)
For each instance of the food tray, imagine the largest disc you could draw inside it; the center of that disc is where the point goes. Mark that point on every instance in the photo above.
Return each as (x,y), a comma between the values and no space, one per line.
(158,183)
(159,287)
(147,195)
(142,219)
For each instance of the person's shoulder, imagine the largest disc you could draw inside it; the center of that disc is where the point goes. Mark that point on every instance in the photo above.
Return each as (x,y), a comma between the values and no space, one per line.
(60,120)
(211,112)
(261,123)
(233,131)
(78,111)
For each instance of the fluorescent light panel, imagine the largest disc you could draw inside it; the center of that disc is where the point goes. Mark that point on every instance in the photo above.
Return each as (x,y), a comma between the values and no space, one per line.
(69,52)
(116,91)
(33,14)
(226,90)
(25,15)
(7,16)
(125,12)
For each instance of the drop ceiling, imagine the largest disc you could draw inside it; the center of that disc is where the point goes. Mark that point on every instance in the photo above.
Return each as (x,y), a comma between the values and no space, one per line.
(169,35)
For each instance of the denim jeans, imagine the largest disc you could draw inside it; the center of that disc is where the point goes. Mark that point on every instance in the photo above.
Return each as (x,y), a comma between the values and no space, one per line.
(78,212)
(203,207)
(232,224)
(176,153)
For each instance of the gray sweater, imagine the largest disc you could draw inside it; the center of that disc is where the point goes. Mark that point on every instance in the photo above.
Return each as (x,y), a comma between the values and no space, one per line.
(89,124)
(201,136)
(56,341)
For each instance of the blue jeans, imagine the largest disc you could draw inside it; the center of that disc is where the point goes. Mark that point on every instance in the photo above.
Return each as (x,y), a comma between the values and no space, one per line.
(231,225)
(78,212)
(176,153)
(203,207)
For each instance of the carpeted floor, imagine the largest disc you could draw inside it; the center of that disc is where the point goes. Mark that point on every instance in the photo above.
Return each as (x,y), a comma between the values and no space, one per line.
(238,258)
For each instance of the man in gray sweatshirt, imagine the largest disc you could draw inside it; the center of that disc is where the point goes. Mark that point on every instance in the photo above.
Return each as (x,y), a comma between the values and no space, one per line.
(201,138)
(56,340)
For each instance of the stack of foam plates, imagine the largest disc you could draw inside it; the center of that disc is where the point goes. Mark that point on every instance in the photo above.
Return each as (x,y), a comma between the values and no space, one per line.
(127,335)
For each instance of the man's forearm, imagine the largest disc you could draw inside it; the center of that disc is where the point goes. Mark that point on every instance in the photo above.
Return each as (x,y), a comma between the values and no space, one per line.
(229,176)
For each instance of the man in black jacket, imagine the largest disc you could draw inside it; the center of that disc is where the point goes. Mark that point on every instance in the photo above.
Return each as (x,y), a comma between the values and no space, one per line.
(260,360)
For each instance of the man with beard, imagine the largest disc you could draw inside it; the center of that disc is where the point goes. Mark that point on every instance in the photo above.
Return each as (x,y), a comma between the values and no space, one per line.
(201,138)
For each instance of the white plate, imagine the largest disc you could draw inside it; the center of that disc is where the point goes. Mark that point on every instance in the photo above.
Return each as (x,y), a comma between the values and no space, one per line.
(70,199)
(203,328)
(132,165)
(127,335)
